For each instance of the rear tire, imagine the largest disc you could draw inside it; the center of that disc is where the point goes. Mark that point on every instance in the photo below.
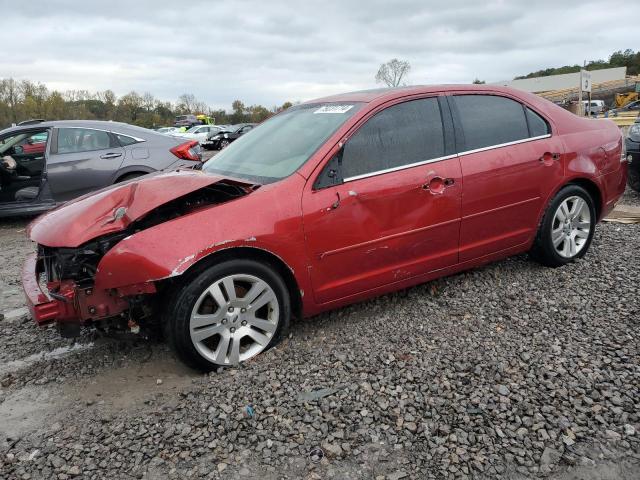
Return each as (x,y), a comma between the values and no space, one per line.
(633,179)
(567,228)
(227,314)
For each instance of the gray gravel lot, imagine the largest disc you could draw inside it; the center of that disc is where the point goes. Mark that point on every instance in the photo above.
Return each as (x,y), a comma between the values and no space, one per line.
(509,371)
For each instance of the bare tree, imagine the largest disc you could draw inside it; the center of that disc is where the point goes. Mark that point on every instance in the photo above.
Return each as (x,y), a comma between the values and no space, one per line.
(148,101)
(393,72)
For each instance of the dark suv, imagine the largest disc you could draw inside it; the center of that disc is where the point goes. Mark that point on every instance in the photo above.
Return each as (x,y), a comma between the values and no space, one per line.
(43,164)
(221,139)
(632,144)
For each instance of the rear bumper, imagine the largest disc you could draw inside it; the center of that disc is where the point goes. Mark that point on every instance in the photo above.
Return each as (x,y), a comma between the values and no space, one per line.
(43,308)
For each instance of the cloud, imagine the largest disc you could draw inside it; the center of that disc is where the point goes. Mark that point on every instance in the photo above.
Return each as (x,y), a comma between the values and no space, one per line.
(271,52)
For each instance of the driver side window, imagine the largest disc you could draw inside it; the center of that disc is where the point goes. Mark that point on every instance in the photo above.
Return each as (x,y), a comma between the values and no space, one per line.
(401,135)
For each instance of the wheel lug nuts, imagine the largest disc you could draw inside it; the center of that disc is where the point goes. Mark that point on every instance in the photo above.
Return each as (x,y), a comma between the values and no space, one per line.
(230,309)
(224,320)
(242,310)
(232,329)
(244,322)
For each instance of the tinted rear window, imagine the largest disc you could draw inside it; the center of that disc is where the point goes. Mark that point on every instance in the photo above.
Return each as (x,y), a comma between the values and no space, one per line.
(490,120)
(537,125)
(403,134)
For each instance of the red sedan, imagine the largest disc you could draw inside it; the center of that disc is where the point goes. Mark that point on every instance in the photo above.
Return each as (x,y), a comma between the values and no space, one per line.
(327,203)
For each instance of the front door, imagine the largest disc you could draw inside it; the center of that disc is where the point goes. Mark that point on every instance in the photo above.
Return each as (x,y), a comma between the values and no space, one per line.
(395,213)
(22,159)
(82,160)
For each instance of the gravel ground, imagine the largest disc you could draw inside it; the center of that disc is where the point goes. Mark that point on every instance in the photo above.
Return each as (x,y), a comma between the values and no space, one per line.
(509,371)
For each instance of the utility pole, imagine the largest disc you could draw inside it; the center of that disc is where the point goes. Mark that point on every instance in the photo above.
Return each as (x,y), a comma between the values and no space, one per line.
(580,105)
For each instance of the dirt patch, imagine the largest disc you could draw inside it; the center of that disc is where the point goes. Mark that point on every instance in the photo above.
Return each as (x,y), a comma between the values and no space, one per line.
(159,376)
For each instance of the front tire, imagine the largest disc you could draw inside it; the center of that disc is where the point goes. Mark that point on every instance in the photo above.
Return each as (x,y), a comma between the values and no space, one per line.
(567,228)
(228,314)
(224,144)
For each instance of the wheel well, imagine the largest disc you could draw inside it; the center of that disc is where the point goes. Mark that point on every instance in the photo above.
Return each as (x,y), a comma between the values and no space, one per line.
(135,173)
(258,255)
(593,190)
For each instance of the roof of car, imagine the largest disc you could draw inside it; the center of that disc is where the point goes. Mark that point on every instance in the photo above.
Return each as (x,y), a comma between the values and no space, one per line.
(98,124)
(367,96)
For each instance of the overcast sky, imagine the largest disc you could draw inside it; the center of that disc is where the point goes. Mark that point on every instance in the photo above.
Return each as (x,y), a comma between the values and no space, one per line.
(269,52)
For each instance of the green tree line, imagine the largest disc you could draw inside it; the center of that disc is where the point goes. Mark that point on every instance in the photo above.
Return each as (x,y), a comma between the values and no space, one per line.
(24,100)
(627,58)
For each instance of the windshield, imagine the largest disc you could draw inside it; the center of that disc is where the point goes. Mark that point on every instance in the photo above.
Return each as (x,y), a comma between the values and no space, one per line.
(193,129)
(7,143)
(278,147)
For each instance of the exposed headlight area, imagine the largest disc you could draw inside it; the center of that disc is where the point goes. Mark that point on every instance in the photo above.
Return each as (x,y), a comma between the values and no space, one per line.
(77,264)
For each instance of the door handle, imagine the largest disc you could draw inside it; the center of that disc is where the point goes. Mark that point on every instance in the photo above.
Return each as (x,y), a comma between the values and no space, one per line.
(437,185)
(110,155)
(548,157)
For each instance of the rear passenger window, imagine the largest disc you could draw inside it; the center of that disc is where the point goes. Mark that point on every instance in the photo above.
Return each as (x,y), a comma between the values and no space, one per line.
(73,140)
(490,120)
(126,140)
(537,125)
(400,135)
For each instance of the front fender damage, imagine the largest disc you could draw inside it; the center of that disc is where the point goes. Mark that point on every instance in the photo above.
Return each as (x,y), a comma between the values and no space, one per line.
(80,281)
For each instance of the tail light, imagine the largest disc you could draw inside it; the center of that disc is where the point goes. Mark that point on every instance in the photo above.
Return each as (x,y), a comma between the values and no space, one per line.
(188,151)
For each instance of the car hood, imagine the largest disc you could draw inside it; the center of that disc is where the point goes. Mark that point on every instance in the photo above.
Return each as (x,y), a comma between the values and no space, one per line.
(113,209)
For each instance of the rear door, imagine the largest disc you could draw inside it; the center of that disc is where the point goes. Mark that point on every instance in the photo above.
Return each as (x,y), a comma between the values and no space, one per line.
(510,163)
(82,160)
(395,212)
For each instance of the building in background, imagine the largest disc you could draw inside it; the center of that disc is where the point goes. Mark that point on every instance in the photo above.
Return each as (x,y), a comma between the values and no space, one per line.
(565,80)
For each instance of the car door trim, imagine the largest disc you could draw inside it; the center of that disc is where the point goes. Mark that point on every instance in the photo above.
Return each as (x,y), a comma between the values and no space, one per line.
(503,207)
(500,145)
(385,238)
(396,169)
(446,157)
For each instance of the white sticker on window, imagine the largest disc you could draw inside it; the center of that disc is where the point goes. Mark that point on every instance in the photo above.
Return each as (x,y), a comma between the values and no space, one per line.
(334,109)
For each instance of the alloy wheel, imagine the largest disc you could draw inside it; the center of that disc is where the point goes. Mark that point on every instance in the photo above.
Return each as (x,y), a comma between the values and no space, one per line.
(234,319)
(571,227)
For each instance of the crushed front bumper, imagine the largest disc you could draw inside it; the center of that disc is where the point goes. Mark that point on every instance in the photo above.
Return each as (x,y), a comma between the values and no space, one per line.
(70,306)
(43,308)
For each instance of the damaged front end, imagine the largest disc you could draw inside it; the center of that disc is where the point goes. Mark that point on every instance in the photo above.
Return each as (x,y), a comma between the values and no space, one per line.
(60,282)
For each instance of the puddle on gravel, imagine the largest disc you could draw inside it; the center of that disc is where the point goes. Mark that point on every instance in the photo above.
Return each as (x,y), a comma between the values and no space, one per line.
(25,410)
(60,352)
(128,386)
(110,389)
